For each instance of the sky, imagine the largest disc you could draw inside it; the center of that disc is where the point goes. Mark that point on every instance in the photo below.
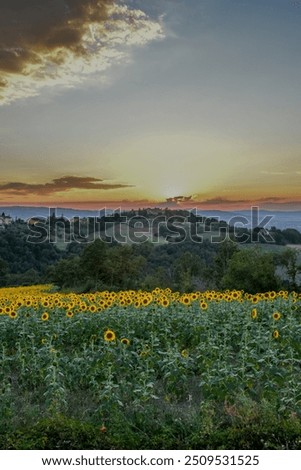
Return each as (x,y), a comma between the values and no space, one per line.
(131,103)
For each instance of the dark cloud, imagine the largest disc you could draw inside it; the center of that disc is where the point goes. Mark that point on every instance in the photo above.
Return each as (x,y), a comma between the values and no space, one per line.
(31,27)
(66,183)
(47,43)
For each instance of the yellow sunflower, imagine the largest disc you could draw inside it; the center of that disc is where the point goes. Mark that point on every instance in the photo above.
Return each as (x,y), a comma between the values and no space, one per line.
(276,334)
(276,316)
(254,313)
(109,335)
(165,302)
(186,300)
(125,341)
(184,353)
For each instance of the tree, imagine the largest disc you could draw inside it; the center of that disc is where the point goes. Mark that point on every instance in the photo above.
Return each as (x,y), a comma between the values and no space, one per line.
(93,262)
(251,270)
(226,250)
(124,267)
(289,260)
(186,268)
(3,272)
(66,273)
(292,235)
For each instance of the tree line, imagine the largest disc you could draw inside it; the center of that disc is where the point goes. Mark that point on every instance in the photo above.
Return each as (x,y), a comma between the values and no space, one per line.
(184,266)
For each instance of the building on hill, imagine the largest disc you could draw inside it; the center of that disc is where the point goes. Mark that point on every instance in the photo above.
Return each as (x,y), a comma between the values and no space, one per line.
(35,220)
(5,220)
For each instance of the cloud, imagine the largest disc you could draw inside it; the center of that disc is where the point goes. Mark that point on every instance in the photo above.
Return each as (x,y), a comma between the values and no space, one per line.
(273,199)
(220,200)
(274,173)
(59,185)
(62,42)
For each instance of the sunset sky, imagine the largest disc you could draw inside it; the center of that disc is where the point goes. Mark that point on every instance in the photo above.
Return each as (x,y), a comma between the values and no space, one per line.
(129,103)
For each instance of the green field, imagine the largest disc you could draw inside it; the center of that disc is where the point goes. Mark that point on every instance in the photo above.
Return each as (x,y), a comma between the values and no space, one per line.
(150,370)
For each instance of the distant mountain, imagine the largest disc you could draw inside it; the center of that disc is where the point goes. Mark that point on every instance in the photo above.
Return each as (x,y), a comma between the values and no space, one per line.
(279,219)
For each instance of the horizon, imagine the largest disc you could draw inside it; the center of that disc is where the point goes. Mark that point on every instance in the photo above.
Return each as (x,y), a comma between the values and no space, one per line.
(131,103)
(117,208)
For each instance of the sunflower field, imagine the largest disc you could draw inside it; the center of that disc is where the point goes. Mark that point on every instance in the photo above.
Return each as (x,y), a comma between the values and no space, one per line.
(157,369)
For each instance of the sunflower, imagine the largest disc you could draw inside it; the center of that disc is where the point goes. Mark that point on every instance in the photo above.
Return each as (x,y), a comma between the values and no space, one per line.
(276,316)
(125,341)
(145,301)
(13,314)
(165,302)
(184,353)
(203,305)
(45,316)
(69,314)
(276,334)
(109,335)
(186,300)
(254,313)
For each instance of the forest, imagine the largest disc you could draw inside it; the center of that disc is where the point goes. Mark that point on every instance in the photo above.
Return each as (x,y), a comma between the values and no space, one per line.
(227,259)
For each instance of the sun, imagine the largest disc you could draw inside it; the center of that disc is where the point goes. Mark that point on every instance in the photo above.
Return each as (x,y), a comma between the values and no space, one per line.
(171,191)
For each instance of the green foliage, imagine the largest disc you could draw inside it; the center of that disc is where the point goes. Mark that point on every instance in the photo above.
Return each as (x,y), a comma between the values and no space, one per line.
(158,429)
(252,271)
(21,262)
(103,265)
(3,272)
(66,273)
(212,379)
(58,432)
(225,252)
(184,265)
(187,267)
(289,259)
